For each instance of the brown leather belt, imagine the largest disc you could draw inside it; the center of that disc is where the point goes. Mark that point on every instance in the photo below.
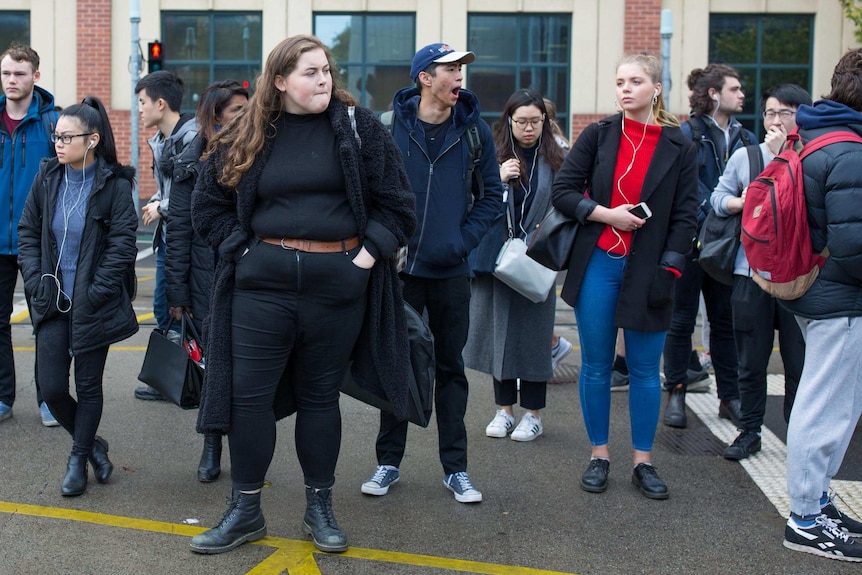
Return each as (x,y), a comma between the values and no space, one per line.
(313,246)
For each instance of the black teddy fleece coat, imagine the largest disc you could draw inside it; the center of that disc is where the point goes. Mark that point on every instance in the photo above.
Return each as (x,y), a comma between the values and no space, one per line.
(379,194)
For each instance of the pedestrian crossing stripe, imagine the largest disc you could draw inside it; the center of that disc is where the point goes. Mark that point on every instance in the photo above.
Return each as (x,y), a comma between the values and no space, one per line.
(297,557)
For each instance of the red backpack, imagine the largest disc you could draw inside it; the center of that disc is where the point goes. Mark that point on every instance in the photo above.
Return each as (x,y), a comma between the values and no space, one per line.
(775,232)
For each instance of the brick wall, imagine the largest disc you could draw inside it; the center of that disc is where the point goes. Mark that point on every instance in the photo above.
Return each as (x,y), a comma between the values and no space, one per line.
(643,27)
(94,78)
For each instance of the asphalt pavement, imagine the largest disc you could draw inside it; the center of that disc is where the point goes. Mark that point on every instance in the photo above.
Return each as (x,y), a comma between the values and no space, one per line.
(534,518)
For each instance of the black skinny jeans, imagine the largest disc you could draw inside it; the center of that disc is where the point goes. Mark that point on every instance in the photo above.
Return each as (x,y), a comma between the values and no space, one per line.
(447,302)
(756,316)
(80,418)
(722,348)
(301,313)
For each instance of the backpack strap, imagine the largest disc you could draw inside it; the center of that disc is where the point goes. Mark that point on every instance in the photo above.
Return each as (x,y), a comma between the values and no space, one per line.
(755,161)
(830,138)
(351,113)
(386,119)
(475,145)
(49,122)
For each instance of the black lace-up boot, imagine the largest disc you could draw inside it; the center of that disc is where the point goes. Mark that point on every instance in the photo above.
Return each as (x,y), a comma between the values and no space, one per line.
(209,467)
(243,521)
(319,521)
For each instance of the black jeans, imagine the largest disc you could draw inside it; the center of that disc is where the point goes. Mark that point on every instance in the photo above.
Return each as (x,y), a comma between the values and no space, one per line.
(533,393)
(8,279)
(756,316)
(299,313)
(677,347)
(447,302)
(80,418)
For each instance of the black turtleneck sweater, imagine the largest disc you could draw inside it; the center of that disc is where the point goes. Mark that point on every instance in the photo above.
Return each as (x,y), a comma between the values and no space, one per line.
(301,191)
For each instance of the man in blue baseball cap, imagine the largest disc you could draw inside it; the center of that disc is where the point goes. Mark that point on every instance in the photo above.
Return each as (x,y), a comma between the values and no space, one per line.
(451,161)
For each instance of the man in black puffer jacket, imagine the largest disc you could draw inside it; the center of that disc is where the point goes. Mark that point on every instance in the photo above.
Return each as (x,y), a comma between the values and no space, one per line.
(829,400)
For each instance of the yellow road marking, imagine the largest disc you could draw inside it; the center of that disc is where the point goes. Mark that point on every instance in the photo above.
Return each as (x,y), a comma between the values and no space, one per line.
(295,556)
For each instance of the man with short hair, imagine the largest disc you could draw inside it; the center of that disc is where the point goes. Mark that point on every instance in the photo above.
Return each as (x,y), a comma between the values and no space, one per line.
(756,314)
(716,95)
(431,125)
(829,398)
(160,96)
(27,120)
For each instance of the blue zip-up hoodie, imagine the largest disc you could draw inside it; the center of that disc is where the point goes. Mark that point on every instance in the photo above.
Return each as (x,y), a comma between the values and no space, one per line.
(448,230)
(20,155)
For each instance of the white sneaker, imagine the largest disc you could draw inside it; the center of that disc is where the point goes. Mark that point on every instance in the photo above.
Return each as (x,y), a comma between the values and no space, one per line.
(529,428)
(501,425)
(559,351)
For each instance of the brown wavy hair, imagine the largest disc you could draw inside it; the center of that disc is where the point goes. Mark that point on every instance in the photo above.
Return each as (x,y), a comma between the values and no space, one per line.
(701,80)
(244,138)
(652,66)
(847,80)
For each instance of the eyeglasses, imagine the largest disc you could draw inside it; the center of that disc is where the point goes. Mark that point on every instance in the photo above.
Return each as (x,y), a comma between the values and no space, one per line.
(534,122)
(783,114)
(67,138)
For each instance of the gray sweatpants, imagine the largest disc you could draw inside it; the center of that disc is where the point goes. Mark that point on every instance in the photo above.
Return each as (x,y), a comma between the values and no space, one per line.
(827,407)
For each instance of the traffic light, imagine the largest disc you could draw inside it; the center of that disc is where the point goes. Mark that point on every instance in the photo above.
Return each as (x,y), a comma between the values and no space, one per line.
(154,56)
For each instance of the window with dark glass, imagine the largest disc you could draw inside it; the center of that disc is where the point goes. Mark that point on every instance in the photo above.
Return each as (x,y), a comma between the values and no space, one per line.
(766,49)
(204,47)
(372,51)
(517,51)
(14,27)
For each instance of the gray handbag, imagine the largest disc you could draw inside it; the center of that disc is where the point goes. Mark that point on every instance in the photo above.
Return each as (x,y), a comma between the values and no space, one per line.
(521,272)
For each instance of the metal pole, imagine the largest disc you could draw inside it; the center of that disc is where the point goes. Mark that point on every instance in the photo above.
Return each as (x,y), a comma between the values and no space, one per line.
(666,34)
(135,67)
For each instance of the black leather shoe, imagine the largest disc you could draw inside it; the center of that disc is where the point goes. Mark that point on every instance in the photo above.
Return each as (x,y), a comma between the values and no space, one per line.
(320,523)
(209,467)
(645,477)
(102,466)
(674,410)
(75,482)
(243,521)
(147,393)
(595,478)
(745,444)
(730,409)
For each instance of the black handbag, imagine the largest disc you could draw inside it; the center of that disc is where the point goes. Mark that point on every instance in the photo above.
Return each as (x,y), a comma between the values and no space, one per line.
(719,237)
(420,378)
(719,241)
(169,368)
(551,242)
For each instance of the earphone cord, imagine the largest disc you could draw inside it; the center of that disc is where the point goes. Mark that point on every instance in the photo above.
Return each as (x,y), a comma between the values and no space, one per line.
(529,187)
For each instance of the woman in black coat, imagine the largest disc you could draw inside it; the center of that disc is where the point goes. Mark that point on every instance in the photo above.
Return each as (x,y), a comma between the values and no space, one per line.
(623,265)
(307,200)
(77,255)
(190,261)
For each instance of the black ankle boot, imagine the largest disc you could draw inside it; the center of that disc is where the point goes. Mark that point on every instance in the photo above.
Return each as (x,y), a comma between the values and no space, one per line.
(243,521)
(75,482)
(209,467)
(319,521)
(102,466)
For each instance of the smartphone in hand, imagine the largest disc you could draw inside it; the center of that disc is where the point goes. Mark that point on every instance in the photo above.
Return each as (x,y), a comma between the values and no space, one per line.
(641,210)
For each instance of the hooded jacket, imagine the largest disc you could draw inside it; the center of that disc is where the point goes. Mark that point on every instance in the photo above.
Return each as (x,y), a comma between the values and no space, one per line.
(833,194)
(448,229)
(20,157)
(379,196)
(101,312)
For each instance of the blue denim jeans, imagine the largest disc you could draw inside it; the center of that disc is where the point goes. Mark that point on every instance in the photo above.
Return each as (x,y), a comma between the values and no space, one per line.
(595,311)
(160,296)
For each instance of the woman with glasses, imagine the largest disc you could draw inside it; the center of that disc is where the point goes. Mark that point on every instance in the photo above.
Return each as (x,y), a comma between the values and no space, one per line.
(77,255)
(509,334)
(626,257)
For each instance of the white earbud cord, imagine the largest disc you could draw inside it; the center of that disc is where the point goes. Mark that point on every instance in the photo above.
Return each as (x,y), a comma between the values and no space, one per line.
(66,211)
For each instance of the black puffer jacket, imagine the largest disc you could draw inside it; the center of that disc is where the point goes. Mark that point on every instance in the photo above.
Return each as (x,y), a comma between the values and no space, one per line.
(102,311)
(190,261)
(833,193)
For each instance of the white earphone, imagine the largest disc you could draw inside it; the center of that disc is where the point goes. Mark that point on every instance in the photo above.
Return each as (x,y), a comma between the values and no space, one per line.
(91,144)
(715,97)
(655,94)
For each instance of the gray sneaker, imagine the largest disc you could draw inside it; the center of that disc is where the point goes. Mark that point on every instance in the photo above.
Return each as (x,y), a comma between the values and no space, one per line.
(379,483)
(619,381)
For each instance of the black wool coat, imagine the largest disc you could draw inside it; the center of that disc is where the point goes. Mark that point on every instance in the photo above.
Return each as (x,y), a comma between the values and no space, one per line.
(384,206)
(669,189)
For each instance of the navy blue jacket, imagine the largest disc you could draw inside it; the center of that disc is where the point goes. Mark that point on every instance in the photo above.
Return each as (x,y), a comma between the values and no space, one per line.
(448,229)
(712,155)
(20,156)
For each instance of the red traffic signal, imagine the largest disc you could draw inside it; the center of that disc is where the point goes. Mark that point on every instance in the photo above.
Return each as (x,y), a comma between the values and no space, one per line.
(154,56)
